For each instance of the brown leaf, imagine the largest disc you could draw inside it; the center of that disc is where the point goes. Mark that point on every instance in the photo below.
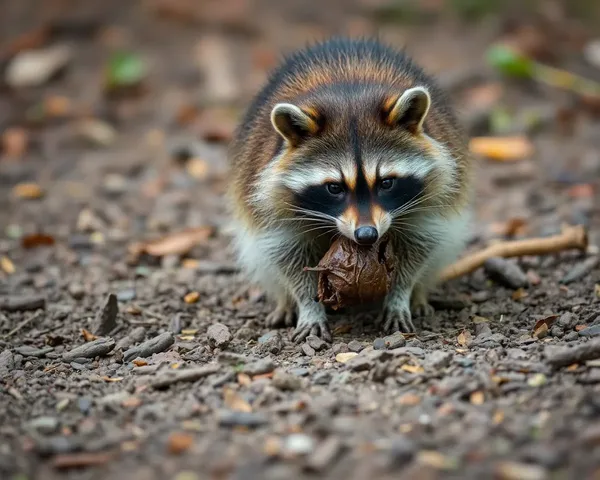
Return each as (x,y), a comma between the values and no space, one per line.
(28,191)
(464,338)
(519,294)
(191,297)
(579,328)
(7,265)
(582,190)
(498,417)
(14,142)
(542,326)
(37,240)
(502,148)
(350,274)
(477,398)
(140,362)
(87,335)
(409,399)
(235,402)
(179,442)
(178,243)
(57,106)
(341,329)
(131,402)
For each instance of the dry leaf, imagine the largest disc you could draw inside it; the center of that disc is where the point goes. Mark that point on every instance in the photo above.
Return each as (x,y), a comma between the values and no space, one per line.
(477,398)
(409,399)
(14,142)
(131,402)
(197,168)
(235,402)
(7,265)
(57,106)
(179,442)
(541,331)
(412,368)
(272,446)
(133,310)
(28,191)
(111,380)
(345,356)
(189,331)
(191,297)
(37,240)
(464,338)
(498,417)
(342,329)
(572,368)
(502,148)
(244,379)
(190,263)
(583,190)
(140,362)
(87,335)
(519,294)
(178,243)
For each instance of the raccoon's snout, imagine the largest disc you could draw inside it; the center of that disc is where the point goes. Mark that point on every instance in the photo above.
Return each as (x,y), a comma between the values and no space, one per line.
(366,235)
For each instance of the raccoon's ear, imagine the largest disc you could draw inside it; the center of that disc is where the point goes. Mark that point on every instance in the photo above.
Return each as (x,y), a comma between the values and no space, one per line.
(409,111)
(292,123)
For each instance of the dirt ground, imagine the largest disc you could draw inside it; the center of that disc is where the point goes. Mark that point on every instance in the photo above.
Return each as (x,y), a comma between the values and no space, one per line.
(185,382)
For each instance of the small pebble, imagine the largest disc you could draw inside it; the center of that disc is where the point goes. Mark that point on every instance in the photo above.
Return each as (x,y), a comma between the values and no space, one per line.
(571,336)
(259,367)
(394,341)
(339,348)
(308,350)
(355,346)
(218,335)
(592,331)
(379,344)
(298,444)
(316,343)
(44,425)
(286,381)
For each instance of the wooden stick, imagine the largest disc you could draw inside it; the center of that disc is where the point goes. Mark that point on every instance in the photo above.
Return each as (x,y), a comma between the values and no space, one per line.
(571,237)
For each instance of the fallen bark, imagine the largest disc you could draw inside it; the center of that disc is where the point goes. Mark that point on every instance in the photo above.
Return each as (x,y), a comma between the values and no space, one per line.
(563,356)
(571,238)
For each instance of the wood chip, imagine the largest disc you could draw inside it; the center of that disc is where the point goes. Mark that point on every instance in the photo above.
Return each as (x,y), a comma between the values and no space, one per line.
(28,191)
(502,149)
(179,442)
(7,265)
(191,297)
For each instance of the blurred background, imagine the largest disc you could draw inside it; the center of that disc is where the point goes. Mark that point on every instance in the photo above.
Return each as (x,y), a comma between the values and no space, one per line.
(115,115)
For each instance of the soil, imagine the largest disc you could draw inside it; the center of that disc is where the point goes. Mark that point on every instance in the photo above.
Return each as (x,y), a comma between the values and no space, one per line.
(151,363)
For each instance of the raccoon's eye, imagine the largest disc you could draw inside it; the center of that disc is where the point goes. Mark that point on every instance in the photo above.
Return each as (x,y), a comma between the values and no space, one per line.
(386,183)
(335,188)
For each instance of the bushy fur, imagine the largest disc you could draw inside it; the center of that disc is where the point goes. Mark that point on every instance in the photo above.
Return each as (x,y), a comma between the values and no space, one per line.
(347,94)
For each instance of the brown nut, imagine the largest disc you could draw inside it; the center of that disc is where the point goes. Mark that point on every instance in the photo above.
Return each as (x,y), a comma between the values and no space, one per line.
(350,274)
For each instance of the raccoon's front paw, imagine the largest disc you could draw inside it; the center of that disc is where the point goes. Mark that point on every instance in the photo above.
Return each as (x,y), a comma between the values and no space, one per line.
(284,315)
(396,318)
(312,326)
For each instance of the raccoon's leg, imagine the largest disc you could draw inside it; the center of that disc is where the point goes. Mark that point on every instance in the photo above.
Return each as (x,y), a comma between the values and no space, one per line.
(312,319)
(443,254)
(284,314)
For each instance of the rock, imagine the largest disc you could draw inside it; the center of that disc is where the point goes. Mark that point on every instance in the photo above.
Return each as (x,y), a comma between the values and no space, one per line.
(175,325)
(379,344)
(7,362)
(44,425)
(22,303)
(556,331)
(286,381)
(592,331)
(322,378)
(96,348)
(439,359)
(316,343)
(402,450)
(581,270)
(259,367)
(339,348)
(28,351)
(218,335)
(324,455)
(396,340)
(308,350)
(97,132)
(298,444)
(228,418)
(345,357)
(76,291)
(135,336)
(155,345)
(568,320)
(506,273)
(360,363)
(563,356)
(84,404)
(32,68)
(270,342)
(300,372)
(507,470)
(355,346)
(106,319)
(126,295)
(571,336)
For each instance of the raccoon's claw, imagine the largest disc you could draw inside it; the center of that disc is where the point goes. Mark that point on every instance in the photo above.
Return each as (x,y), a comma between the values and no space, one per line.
(424,310)
(319,329)
(282,316)
(396,320)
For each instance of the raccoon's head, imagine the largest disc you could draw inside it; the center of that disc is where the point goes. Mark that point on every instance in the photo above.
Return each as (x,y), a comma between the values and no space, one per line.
(357,162)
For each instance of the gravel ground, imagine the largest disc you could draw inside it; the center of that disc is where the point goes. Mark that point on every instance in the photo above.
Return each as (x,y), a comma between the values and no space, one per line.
(121,358)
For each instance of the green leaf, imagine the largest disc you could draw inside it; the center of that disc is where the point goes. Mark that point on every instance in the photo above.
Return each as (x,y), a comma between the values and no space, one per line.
(125,70)
(510,63)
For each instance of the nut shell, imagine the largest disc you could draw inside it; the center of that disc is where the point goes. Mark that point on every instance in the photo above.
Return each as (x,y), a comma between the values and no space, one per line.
(350,274)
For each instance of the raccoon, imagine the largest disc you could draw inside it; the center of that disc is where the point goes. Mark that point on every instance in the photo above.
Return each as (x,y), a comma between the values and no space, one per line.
(348,137)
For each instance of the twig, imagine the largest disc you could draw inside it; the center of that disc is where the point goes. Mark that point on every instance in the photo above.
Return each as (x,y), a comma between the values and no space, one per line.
(21,325)
(571,237)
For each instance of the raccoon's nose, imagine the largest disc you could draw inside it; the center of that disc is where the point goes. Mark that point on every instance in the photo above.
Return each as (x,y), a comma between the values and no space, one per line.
(366,235)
